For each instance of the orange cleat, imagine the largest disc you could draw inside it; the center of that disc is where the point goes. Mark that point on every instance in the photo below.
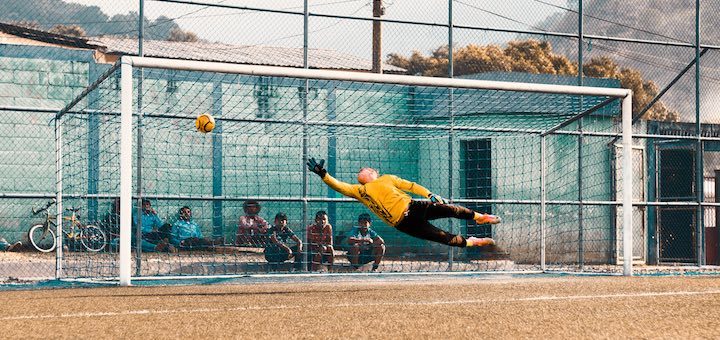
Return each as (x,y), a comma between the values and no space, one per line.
(479,242)
(486,218)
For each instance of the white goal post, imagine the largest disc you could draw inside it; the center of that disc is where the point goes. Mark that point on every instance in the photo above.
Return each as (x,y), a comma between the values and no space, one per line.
(126,131)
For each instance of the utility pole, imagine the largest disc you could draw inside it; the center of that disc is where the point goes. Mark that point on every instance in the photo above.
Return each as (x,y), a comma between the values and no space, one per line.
(378,11)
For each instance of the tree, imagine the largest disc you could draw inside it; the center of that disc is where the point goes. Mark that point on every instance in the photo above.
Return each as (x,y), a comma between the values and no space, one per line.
(69,30)
(91,18)
(475,58)
(643,91)
(177,34)
(533,56)
(529,56)
(602,67)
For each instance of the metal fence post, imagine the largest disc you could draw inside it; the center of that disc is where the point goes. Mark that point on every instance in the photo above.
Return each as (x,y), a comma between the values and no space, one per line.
(138,162)
(451,140)
(543,174)
(306,251)
(581,224)
(699,168)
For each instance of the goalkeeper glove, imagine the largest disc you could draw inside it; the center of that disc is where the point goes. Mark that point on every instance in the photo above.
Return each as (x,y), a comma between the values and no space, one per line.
(436,199)
(317,167)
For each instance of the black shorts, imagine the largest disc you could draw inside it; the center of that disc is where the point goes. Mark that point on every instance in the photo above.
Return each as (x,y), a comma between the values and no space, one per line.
(416,221)
(275,254)
(366,254)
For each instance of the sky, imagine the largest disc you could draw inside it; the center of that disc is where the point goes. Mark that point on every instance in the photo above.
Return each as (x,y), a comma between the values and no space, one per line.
(239,27)
(253,28)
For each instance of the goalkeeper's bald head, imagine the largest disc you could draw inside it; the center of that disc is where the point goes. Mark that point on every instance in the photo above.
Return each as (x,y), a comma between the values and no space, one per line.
(367,175)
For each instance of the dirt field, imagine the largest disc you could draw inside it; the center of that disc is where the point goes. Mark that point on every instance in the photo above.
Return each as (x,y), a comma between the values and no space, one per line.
(425,307)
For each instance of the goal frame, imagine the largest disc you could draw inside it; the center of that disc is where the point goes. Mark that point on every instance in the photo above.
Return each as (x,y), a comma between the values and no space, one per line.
(127,63)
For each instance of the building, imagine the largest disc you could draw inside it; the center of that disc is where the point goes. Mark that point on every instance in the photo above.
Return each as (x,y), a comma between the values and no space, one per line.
(43,72)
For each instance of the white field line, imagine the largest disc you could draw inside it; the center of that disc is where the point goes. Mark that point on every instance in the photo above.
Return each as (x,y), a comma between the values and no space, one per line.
(354,305)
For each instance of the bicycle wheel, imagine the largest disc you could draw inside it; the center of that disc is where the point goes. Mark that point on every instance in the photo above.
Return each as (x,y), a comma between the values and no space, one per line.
(93,238)
(42,238)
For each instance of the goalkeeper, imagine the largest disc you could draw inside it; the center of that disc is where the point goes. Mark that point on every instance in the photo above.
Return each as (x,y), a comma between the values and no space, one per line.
(386,197)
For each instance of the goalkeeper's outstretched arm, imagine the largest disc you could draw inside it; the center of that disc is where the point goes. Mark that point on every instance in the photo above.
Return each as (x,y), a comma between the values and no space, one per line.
(346,189)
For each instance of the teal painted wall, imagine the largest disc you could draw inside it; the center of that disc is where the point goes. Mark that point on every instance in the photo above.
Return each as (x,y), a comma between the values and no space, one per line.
(32,77)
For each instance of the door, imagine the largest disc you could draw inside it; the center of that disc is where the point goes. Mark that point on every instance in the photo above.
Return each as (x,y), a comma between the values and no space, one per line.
(476,167)
(676,224)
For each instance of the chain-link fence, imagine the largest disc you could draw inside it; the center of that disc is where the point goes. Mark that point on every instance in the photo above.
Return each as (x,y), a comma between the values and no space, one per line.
(51,50)
(210,188)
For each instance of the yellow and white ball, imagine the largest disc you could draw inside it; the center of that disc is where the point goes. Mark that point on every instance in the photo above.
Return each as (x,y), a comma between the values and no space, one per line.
(205,123)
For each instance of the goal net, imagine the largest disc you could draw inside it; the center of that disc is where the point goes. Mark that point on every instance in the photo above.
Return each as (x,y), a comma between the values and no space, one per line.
(546,158)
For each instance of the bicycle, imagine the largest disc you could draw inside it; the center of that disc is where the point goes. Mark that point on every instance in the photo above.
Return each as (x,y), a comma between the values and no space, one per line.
(42,236)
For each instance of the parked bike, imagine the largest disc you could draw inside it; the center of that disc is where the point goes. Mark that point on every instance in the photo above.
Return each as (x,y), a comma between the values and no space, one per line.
(42,236)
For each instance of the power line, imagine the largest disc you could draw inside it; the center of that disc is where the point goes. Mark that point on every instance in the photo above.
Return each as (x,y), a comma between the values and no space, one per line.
(611,22)
(623,53)
(169,20)
(288,36)
(627,54)
(500,16)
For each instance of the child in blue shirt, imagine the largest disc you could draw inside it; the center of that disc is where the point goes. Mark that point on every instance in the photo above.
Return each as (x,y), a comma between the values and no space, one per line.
(186,233)
(365,244)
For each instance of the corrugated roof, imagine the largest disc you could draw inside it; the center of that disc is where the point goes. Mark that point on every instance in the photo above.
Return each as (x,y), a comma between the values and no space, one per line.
(47,37)
(205,51)
(255,55)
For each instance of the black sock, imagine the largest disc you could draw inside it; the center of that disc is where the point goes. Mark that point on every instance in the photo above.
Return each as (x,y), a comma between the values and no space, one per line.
(458,241)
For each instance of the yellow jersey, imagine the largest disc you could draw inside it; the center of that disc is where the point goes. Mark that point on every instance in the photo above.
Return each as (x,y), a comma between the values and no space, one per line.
(386,196)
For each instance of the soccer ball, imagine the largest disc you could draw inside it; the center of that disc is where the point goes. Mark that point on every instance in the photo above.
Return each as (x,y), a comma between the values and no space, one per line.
(205,123)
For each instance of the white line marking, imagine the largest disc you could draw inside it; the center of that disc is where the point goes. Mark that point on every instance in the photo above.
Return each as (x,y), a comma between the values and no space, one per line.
(610,296)
(380,304)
